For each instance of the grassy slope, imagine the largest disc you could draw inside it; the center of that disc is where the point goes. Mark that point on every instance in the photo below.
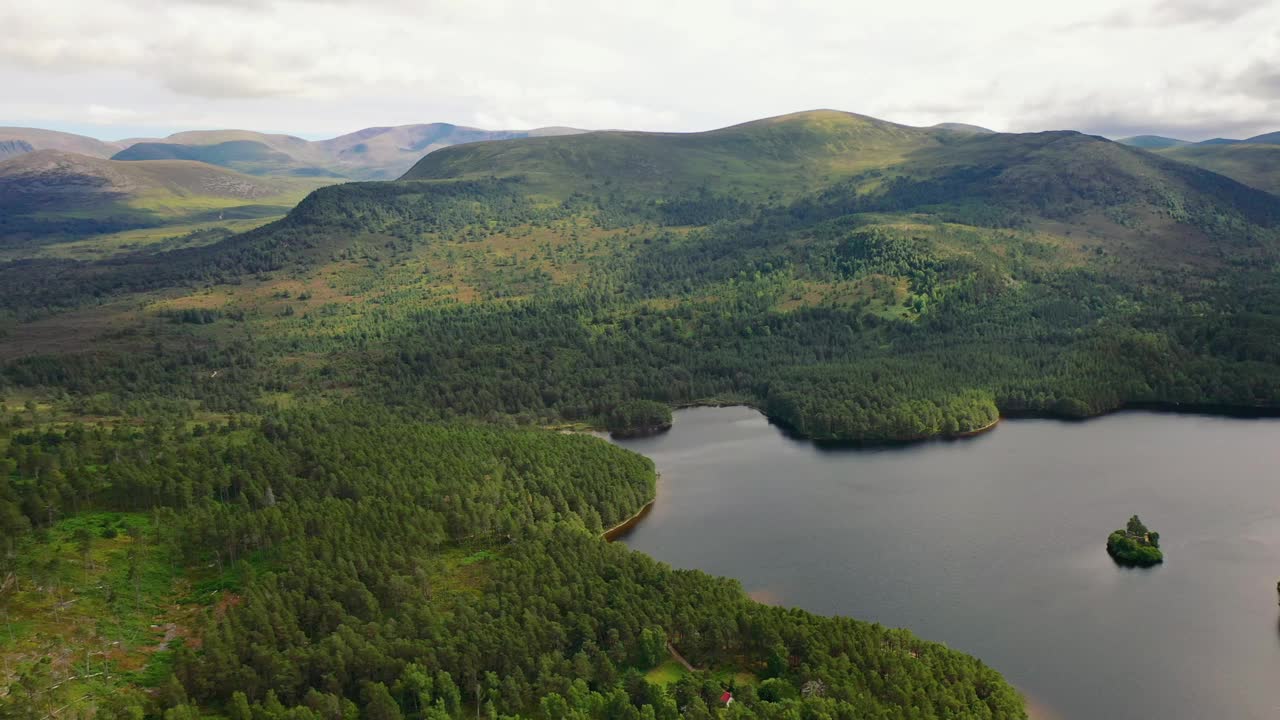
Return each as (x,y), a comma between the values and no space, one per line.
(44,193)
(1152,142)
(66,142)
(379,153)
(1018,211)
(108,618)
(788,154)
(246,156)
(1253,164)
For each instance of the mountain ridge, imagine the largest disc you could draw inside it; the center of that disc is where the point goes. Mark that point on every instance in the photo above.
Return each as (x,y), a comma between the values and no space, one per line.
(381,152)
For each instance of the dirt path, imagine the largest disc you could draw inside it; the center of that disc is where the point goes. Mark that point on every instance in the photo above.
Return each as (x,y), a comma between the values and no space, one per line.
(680,658)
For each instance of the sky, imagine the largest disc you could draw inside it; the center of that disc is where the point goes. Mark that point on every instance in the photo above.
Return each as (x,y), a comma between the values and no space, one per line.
(319,68)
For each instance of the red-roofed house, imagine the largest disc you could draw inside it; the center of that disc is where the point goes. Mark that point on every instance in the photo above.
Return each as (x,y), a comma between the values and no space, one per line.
(726,699)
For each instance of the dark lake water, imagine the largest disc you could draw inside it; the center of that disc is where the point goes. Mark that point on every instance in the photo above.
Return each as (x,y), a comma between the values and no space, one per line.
(995,545)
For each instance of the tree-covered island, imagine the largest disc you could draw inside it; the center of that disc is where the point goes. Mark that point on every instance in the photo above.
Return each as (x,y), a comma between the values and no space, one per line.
(1135,545)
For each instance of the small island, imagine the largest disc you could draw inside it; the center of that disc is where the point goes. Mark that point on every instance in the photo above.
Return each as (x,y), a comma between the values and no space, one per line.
(1135,545)
(637,418)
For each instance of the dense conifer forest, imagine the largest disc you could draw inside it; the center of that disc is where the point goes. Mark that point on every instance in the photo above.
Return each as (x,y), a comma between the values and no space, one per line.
(351,562)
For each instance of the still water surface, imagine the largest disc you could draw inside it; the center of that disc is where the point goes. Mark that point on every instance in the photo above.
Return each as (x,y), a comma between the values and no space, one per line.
(995,545)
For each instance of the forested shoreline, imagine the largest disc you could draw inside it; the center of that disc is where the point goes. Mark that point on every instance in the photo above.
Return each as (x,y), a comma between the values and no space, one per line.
(362,562)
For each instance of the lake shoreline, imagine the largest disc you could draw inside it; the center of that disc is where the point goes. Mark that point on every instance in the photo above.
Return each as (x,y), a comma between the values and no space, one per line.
(755,505)
(621,529)
(1035,709)
(1173,408)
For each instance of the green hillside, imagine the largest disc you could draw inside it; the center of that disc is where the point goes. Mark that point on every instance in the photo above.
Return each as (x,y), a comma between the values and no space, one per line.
(787,154)
(52,201)
(1253,162)
(375,153)
(857,279)
(1271,138)
(1152,142)
(40,139)
(247,156)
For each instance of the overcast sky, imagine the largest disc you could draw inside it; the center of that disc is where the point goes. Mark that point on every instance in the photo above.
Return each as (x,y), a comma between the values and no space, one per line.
(317,68)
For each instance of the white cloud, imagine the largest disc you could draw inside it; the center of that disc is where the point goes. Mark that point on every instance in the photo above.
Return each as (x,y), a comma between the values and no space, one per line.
(319,67)
(106,115)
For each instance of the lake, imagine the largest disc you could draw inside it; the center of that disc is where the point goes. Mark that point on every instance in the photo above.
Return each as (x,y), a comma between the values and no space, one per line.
(995,545)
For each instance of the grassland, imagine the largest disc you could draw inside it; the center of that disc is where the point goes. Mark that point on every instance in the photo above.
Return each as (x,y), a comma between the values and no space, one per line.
(1254,164)
(59,204)
(98,603)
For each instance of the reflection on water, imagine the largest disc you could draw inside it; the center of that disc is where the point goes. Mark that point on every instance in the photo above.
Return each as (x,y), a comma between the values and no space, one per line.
(995,545)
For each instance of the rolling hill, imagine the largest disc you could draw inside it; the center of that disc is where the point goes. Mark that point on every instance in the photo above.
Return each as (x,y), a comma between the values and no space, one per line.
(859,280)
(1153,142)
(1251,162)
(386,153)
(376,153)
(864,162)
(248,156)
(371,153)
(1271,138)
(38,139)
(963,127)
(52,174)
(9,148)
(804,150)
(51,195)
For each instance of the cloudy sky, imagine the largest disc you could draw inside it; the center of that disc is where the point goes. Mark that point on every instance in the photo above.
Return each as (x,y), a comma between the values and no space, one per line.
(317,68)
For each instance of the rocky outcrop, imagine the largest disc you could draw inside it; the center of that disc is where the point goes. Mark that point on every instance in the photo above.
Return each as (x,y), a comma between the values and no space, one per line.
(10,148)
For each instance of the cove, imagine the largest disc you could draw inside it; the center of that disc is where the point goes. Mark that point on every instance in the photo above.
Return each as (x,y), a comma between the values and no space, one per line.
(995,545)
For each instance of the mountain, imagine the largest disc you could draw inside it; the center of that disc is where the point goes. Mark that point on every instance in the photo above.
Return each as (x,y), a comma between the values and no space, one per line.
(9,148)
(371,153)
(1152,142)
(38,139)
(963,127)
(1265,139)
(858,279)
(247,156)
(61,194)
(387,152)
(1251,162)
(54,174)
(811,149)
(881,165)
(1272,138)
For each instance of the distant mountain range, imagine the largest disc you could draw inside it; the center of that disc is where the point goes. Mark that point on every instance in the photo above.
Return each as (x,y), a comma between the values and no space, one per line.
(56,195)
(1254,161)
(1154,142)
(964,127)
(60,187)
(47,175)
(376,153)
(856,278)
(56,178)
